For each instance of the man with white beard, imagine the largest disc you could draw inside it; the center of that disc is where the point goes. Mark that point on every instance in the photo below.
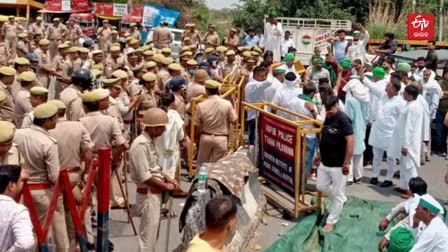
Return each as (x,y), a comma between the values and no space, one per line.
(407,138)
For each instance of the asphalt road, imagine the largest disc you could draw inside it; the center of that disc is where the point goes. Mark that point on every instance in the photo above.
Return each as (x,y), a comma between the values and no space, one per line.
(122,236)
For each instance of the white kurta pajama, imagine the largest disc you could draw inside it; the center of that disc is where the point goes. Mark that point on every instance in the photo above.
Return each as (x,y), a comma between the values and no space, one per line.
(408,134)
(388,111)
(167,144)
(434,237)
(273,39)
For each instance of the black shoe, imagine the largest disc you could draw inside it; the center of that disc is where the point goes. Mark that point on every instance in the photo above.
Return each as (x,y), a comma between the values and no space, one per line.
(374,181)
(357,181)
(386,183)
(111,245)
(349,183)
(90,246)
(397,174)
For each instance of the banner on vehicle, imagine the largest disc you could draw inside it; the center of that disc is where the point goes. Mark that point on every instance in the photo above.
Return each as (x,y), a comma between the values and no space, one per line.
(153,15)
(67,5)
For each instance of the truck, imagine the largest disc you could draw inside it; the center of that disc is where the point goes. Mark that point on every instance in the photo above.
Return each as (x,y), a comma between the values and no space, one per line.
(309,33)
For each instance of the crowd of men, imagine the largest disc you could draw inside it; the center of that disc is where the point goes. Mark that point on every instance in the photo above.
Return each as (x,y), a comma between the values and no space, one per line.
(60,101)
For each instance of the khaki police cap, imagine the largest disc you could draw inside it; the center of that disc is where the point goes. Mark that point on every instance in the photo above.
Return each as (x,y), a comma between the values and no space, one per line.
(90,96)
(211,84)
(114,32)
(133,24)
(44,111)
(73,49)
(158,57)
(96,52)
(221,49)
(43,42)
(3,96)
(116,44)
(22,61)
(110,82)
(58,103)
(209,50)
(149,77)
(96,72)
(22,35)
(192,62)
(102,93)
(166,50)
(230,53)
(115,49)
(120,74)
(8,71)
(200,75)
(69,43)
(193,46)
(128,38)
(239,48)
(150,64)
(257,49)
(185,48)
(133,42)
(39,19)
(38,90)
(187,25)
(84,50)
(167,60)
(139,50)
(27,76)
(56,19)
(233,30)
(187,39)
(155,117)
(175,67)
(145,47)
(254,53)
(6,131)
(148,53)
(63,46)
(247,54)
(186,54)
(137,68)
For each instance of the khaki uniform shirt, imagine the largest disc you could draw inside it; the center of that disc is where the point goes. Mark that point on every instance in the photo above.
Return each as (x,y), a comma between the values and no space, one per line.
(16,87)
(231,43)
(161,36)
(7,108)
(40,152)
(163,76)
(71,97)
(194,36)
(103,130)
(12,157)
(4,55)
(9,30)
(44,59)
(62,65)
(180,104)
(113,64)
(22,49)
(22,105)
(136,35)
(134,88)
(227,68)
(104,34)
(37,29)
(194,90)
(73,139)
(142,169)
(33,46)
(113,111)
(214,115)
(27,120)
(74,32)
(74,65)
(148,100)
(212,38)
(56,33)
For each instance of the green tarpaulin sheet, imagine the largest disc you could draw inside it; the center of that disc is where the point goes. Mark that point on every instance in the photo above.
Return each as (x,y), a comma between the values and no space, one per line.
(356,230)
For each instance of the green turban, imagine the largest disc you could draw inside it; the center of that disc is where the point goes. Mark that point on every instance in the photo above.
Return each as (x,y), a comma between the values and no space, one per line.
(318,61)
(404,67)
(369,75)
(288,57)
(273,14)
(401,240)
(279,70)
(346,64)
(379,72)
(356,33)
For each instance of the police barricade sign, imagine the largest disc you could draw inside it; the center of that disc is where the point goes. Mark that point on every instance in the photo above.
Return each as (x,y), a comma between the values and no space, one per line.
(277,150)
(280,153)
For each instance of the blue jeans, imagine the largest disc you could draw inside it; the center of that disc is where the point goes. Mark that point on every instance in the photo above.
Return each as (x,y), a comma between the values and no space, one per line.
(441,132)
(310,150)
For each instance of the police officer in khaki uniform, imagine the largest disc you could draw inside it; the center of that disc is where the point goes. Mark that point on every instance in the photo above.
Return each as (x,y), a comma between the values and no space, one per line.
(37,28)
(163,76)
(148,176)
(38,95)
(97,59)
(41,156)
(114,61)
(230,65)
(197,86)
(4,54)
(104,34)
(22,100)
(148,56)
(9,152)
(71,96)
(134,32)
(74,146)
(21,65)
(213,118)
(74,32)
(177,86)
(192,33)
(7,109)
(62,65)
(45,65)
(211,38)
(162,36)
(232,41)
(55,34)
(148,97)
(22,45)
(74,62)
(110,107)
(9,31)
(104,132)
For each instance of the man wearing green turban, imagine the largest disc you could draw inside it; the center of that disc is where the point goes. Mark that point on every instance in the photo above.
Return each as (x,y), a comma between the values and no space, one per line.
(273,33)
(289,65)
(317,72)
(401,240)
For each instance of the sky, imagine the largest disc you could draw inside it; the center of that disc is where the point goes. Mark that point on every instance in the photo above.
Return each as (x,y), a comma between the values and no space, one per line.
(220,4)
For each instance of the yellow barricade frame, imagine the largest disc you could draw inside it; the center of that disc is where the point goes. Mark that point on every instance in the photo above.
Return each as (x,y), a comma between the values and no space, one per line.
(299,202)
(228,91)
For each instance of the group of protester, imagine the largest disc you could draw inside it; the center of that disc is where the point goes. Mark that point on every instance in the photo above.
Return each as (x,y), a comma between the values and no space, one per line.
(60,101)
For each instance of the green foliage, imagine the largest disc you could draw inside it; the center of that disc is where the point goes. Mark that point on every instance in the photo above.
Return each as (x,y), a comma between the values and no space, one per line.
(377,31)
(202,15)
(250,13)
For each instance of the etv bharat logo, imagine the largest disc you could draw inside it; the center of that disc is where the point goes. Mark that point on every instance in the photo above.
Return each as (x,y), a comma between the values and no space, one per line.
(420,26)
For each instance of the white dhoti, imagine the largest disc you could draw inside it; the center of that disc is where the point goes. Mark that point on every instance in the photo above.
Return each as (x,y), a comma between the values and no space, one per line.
(356,167)
(408,170)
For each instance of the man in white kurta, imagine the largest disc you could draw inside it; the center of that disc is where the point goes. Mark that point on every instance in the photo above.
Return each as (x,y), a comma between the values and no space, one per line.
(433,238)
(388,111)
(273,32)
(286,93)
(406,138)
